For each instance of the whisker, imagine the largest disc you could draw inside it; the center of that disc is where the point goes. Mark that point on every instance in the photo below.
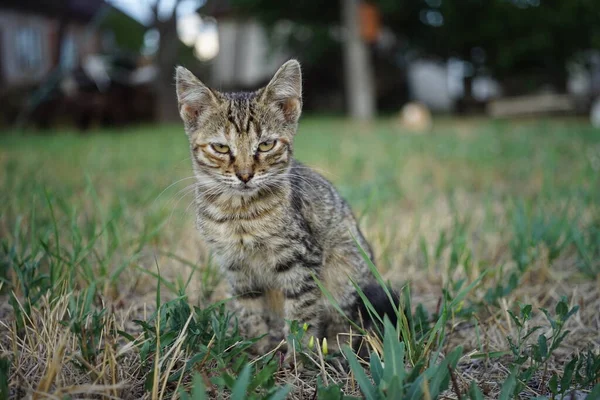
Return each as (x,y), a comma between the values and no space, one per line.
(172,184)
(186,189)
(315,169)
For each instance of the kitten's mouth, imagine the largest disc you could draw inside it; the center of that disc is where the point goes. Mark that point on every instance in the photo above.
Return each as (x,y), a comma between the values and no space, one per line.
(245,188)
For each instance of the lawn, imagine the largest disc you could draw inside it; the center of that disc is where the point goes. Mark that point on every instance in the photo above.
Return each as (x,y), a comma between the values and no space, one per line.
(490,228)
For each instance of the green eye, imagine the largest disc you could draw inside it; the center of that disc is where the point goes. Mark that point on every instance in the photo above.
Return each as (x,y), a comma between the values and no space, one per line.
(266,146)
(221,148)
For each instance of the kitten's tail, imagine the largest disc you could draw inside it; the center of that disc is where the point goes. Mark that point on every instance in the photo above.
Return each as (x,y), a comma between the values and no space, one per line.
(381,303)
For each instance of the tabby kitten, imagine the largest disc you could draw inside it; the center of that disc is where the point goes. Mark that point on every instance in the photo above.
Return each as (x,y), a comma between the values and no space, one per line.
(271,222)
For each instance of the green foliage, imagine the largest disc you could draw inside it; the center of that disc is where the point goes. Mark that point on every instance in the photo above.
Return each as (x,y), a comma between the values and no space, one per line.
(87,323)
(502,289)
(587,241)
(418,336)
(40,260)
(529,359)
(207,335)
(91,240)
(331,392)
(474,392)
(391,379)
(210,336)
(241,388)
(456,239)
(532,229)
(581,372)
(128,33)
(198,390)
(505,37)
(249,380)
(4,374)
(296,335)
(595,393)
(511,37)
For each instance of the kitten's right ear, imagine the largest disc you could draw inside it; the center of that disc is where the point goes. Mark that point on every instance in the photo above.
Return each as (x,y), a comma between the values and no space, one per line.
(285,90)
(194,97)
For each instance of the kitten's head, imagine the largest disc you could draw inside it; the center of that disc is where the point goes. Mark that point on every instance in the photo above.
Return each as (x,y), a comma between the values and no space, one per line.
(241,142)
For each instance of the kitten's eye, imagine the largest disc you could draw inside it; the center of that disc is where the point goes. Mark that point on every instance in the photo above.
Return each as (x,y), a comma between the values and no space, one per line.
(266,146)
(220,148)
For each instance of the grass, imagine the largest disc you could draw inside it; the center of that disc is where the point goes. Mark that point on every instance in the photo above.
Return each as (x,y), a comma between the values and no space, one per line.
(491,227)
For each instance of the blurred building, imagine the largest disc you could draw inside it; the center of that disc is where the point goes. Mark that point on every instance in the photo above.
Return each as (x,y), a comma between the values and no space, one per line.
(76,61)
(246,57)
(36,36)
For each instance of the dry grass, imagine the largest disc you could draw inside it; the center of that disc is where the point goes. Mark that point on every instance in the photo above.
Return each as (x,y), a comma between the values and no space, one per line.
(465,182)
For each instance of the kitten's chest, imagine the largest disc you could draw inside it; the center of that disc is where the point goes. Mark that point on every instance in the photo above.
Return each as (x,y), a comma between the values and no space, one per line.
(238,236)
(252,242)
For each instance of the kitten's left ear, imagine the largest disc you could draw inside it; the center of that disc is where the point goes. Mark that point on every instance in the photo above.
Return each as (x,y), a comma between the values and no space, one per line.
(194,97)
(285,90)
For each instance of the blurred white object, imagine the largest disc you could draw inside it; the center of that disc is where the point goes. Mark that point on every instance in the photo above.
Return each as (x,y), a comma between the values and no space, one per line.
(96,68)
(429,83)
(543,103)
(143,75)
(595,113)
(68,86)
(415,117)
(188,28)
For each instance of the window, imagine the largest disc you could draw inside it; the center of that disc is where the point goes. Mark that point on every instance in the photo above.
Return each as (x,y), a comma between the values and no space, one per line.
(68,52)
(28,49)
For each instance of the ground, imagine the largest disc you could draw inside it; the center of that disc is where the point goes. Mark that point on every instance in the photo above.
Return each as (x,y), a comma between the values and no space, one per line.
(476,219)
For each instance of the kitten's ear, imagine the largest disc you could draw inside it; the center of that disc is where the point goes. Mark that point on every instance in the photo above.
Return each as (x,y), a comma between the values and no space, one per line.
(194,97)
(285,90)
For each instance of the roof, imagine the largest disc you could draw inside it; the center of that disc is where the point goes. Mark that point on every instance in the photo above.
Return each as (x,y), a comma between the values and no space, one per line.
(217,8)
(83,10)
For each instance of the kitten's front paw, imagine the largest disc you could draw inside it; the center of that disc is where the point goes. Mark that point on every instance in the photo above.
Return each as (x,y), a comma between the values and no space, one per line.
(267,344)
(292,362)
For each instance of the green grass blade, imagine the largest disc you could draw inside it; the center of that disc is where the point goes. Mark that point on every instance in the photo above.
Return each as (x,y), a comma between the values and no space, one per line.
(508,387)
(198,389)
(335,304)
(475,392)
(365,384)
(281,394)
(238,392)
(393,354)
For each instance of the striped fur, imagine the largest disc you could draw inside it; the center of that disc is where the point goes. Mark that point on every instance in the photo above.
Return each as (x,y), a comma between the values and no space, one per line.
(271,222)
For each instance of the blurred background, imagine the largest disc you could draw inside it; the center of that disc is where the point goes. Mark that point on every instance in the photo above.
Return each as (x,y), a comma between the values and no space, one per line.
(464,134)
(87,63)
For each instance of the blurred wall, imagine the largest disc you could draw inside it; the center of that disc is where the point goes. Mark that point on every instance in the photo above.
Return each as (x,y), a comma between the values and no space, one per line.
(245,57)
(29,48)
(25,45)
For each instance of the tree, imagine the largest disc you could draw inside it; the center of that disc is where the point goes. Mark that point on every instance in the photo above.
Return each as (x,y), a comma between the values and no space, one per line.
(541,37)
(357,65)
(508,38)
(165,59)
(164,20)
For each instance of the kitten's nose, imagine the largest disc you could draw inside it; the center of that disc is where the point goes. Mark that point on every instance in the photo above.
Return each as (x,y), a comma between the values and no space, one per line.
(244,176)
